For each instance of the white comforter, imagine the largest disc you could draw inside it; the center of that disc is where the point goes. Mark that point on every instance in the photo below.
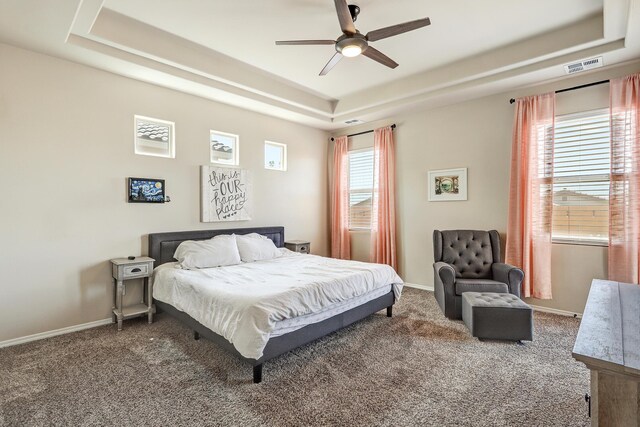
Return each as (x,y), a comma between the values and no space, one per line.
(243,302)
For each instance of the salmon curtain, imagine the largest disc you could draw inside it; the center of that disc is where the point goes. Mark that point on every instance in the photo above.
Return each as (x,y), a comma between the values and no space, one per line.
(531,193)
(340,242)
(624,187)
(383,221)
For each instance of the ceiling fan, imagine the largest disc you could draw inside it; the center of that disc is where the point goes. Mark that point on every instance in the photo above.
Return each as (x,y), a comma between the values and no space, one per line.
(352,43)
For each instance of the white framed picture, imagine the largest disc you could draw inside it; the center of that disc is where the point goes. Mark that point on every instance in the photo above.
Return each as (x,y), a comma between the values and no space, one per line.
(224,148)
(154,137)
(225,194)
(275,156)
(448,185)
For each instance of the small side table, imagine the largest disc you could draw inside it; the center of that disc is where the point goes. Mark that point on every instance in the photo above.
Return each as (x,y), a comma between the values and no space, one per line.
(301,246)
(125,269)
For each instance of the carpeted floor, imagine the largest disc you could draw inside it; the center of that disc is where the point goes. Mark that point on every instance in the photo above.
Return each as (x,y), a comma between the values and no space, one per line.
(417,368)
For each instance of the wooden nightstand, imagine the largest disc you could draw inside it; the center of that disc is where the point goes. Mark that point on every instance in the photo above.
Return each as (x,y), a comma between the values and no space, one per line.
(125,269)
(301,246)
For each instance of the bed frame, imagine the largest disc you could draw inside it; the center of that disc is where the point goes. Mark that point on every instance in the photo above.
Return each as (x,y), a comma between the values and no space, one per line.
(162,246)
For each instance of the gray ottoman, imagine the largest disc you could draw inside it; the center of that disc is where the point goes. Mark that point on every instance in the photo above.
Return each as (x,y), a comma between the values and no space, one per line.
(495,316)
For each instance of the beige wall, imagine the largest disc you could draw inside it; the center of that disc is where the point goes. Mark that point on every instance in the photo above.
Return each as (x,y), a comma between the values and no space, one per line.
(477,135)
(66,148)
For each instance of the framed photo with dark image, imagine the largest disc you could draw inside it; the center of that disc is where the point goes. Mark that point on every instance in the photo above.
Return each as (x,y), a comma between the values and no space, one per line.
(146,190)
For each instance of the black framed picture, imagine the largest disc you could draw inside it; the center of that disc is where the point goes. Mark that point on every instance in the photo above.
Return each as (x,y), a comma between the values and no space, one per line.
(146,190)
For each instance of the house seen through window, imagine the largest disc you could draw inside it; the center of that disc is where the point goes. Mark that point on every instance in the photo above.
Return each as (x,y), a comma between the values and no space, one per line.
(581,170)
(360,188)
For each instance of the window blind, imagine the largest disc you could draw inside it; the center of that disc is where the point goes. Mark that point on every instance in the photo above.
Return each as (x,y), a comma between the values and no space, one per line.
(360,188)
(581,168)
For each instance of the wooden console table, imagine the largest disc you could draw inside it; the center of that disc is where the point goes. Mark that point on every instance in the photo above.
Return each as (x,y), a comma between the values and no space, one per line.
(608,342)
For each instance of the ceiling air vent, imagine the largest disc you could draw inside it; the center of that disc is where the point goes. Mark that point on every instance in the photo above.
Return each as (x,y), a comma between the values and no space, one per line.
(584,65)
(353,122)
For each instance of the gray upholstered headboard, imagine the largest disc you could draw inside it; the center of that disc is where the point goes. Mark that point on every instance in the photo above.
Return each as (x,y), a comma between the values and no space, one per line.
(162,246)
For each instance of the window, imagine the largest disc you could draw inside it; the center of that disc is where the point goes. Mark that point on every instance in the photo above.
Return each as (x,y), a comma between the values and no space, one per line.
(581,168)
(275,156)
(154,137)
(360,188)
(224,148)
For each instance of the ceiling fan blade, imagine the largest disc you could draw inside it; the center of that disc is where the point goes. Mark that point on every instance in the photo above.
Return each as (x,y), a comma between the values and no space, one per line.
(304,42)
(332,62)
(344,16)
(394,30)
(380,57)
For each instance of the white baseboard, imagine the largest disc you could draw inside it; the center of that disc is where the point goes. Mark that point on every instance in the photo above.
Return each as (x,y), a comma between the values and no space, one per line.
(418,286)
(43,335)
(556,311)
(535,307)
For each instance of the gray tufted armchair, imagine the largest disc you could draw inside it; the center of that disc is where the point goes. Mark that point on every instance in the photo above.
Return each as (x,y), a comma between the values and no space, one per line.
(469,261)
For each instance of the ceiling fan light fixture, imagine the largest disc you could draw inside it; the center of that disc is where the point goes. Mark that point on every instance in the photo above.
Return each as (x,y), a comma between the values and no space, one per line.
(351,46)
(353,43)
(351,51)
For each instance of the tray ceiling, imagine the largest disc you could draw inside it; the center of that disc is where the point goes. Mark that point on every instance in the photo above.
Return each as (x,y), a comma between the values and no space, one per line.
(225,50)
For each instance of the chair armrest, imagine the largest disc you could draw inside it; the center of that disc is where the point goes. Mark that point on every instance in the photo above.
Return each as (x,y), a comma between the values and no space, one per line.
(512,276)
(445,272)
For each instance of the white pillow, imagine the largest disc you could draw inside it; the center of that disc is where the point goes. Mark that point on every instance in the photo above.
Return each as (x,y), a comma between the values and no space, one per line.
(256,247)
(217,252)
(254,236)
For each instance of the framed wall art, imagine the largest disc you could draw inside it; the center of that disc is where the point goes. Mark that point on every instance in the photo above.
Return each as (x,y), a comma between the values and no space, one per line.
(146,190)
(224,148)
(225,194)
(154,137)
(447,185)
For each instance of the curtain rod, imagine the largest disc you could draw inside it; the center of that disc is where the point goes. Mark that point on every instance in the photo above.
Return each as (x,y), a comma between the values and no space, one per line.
(393,126)
(511,101)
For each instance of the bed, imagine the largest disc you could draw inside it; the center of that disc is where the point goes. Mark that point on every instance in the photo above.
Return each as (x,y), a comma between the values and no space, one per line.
(289,334)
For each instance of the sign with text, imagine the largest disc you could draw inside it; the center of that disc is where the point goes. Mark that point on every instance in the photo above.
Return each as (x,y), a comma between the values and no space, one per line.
(225,193)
